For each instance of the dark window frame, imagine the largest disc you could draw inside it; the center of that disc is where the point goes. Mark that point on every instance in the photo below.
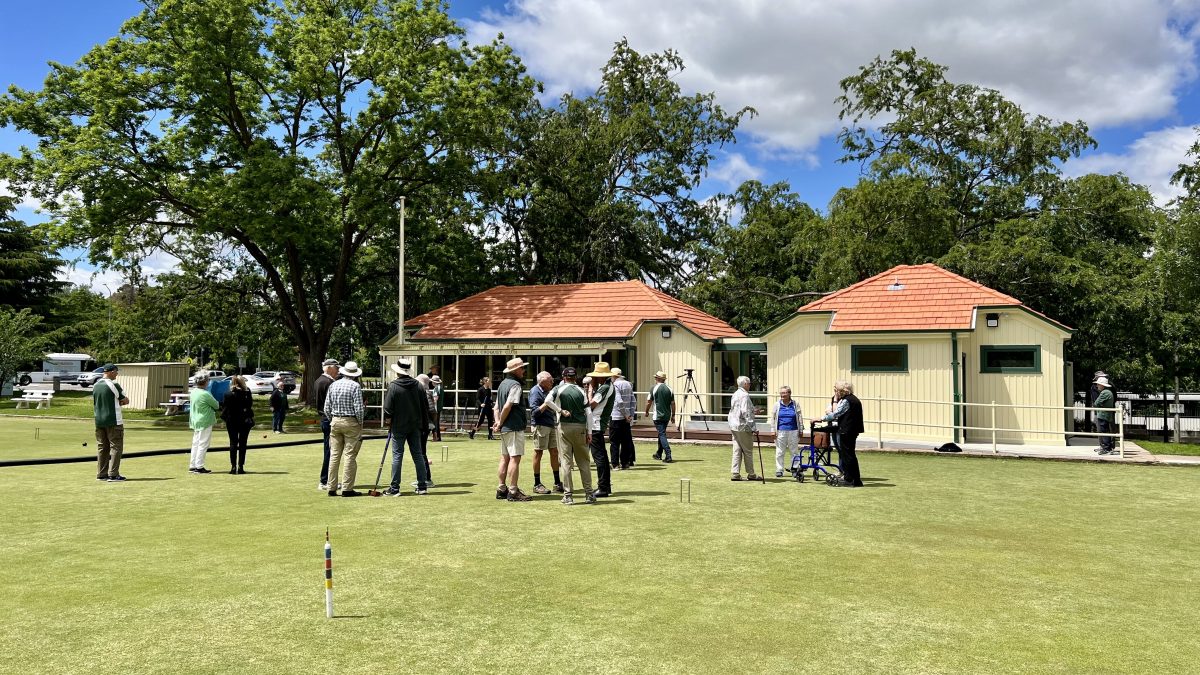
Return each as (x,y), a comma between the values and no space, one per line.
(855,350)
(1035,350)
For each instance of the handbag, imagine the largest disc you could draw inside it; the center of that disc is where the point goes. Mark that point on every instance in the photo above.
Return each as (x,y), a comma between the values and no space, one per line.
(820,440)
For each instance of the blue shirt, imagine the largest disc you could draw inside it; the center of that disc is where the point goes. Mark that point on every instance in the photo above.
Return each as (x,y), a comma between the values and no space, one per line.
(786,416)
(537,396)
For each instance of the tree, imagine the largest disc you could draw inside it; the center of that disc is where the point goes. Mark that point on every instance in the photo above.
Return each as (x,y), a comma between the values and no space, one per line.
(599,188)
(28,267)
(280,134)
(990,160)
(20,341)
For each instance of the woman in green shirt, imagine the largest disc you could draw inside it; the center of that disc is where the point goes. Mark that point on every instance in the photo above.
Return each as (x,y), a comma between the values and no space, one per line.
(201,419)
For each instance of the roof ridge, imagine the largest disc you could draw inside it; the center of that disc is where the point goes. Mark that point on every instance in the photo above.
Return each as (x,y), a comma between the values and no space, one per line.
(972,282)
(654,293)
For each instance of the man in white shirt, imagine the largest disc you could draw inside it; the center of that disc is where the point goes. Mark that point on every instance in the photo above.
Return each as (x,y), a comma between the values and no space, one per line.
(742,424)
(621,429)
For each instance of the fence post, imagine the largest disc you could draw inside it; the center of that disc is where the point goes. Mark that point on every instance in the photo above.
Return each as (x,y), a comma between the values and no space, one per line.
(994,450)
(1121,430)
(879,418)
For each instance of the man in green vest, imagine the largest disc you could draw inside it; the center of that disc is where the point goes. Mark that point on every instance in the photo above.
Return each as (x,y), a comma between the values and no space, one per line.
(511,423)
(570,402)
(660,407)
(107,399)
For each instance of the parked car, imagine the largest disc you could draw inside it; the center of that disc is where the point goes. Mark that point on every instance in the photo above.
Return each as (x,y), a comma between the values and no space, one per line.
(258,385)
(212,375)
(288,377)
(90,379)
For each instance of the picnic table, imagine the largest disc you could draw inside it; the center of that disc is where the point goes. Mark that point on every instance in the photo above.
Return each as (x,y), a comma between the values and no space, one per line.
(177,404)
(41,397)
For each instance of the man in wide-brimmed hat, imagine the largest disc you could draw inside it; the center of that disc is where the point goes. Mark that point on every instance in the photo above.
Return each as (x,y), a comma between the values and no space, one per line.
(599,413)
(408,409)
(344,407)
(660,405)
(621,422)
(511,423)
(1104,417)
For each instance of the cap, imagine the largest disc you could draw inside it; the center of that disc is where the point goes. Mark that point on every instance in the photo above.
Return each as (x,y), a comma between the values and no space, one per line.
(568,372)
(110,367)
(331,362)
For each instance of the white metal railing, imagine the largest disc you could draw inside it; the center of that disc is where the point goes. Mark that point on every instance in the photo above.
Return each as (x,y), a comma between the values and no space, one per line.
(687,406)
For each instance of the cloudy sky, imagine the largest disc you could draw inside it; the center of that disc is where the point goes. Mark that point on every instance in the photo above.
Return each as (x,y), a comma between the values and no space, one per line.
(1126,67)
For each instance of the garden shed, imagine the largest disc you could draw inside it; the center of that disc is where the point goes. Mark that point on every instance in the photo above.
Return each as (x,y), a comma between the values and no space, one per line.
(149,384)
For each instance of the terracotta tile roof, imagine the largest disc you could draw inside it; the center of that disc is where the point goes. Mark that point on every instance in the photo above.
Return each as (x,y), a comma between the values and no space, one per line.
(564,312)
(931,298)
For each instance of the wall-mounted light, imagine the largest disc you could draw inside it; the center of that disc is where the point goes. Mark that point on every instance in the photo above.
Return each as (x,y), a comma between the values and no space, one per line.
(993,320)
(666,332)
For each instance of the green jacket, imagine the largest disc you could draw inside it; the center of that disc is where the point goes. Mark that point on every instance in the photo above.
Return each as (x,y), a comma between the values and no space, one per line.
(104,404)
(1105,400)
(203,409)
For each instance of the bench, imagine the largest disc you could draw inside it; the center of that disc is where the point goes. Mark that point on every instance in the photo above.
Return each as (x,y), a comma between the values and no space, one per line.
(41,398)
(176,405)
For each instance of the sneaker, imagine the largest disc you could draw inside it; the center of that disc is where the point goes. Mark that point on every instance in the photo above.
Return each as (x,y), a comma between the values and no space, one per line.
(101,477)
(515,495)
(422,491)
(233,472)
(753,477)
(567,500)
(657,455)
(558,487)
(590,498)
(428,484)
(471,434)
(241,470)
(502,492)
(668,460)
(203,470)
(323,486)
(351,493)
(332,493)
(541,489)
(736,477)
(192,469)
(117,479)
(779,474)
(391,492)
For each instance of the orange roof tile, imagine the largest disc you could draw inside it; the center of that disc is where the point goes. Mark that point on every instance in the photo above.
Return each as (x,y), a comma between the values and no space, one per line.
(930,298)
(612,309)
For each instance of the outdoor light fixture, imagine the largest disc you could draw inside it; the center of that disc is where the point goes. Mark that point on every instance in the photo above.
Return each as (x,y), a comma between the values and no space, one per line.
(666,332)
(993,320)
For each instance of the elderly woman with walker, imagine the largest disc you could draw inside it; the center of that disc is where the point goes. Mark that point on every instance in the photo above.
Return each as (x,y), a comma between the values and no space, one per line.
(848,412)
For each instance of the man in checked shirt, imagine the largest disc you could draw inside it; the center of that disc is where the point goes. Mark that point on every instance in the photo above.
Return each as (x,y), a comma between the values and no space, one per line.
(344,407)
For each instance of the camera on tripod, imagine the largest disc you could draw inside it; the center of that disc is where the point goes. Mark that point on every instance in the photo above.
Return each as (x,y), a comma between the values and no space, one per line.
(687,372)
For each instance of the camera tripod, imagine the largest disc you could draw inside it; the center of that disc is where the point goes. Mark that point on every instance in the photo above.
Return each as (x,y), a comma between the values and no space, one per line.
(690,389)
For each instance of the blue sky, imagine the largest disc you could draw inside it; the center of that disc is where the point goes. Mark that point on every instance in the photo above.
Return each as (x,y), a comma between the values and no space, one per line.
(1128,69)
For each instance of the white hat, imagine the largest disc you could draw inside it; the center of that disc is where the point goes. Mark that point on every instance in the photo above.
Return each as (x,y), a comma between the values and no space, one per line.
(351,369)
(402,367)
(1102,381)
(617,372)
(513,364)
(436,379)
(660,374)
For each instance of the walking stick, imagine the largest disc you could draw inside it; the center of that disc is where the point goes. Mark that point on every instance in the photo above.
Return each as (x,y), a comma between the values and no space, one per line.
(761,469)
(374,492)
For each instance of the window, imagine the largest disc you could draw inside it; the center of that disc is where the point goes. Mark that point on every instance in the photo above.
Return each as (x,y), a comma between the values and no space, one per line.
(879,358)
(1010,359)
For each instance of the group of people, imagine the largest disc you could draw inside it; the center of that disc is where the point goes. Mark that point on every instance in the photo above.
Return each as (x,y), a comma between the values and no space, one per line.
(236,410)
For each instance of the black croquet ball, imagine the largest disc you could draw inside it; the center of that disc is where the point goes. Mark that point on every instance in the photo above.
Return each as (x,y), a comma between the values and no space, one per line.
(85,445)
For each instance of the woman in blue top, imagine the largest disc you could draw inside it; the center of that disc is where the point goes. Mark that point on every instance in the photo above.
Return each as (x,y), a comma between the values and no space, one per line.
(788,421)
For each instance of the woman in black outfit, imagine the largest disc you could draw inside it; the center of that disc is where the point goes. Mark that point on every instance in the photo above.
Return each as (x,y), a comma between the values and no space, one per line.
(238,413)
(484,396)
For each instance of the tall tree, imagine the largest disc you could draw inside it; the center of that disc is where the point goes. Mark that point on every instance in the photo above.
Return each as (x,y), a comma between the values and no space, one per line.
(285,130)
(21,342)
(600,187)
(28,266)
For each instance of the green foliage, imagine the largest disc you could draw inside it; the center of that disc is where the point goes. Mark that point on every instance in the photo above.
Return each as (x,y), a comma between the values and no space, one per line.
(600,187)
(21,342)
(28,266)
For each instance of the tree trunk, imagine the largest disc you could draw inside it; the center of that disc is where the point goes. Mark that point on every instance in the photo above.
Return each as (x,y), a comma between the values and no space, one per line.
(312,370)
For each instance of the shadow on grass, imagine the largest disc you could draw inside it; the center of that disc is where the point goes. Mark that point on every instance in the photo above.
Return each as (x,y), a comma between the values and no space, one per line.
(436,491)
(351,616)
(645,468)
(625,493)
(138,480)
(680,461)
(606,500)
(267,473)
(442,485)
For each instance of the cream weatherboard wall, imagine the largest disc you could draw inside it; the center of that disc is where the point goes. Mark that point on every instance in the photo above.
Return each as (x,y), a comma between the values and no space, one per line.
(801,356)
(913,405)
(1044,426)
(673,355)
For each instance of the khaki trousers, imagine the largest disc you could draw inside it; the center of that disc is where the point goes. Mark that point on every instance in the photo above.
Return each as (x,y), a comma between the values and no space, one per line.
(345,439)
(743,444)
(110,443)
(572,450)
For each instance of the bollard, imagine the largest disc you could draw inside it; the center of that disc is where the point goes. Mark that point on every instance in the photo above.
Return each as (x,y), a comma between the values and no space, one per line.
(689,489)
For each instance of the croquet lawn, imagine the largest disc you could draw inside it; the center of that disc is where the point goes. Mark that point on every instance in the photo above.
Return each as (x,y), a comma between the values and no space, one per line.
(940,565)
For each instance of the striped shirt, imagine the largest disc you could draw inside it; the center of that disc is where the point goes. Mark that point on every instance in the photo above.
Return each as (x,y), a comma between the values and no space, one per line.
(344,399)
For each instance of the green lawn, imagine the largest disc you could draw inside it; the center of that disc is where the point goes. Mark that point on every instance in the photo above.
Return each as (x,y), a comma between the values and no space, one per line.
(943,564)
(1160,448)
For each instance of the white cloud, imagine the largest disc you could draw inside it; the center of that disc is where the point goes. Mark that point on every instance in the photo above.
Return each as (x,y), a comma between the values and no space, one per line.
(81,274)
(25,203)
(1106,63)
(735,170)
(1149,161)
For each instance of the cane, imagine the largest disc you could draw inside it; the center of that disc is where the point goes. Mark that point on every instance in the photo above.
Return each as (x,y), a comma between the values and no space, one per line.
(374,492)
(761,469)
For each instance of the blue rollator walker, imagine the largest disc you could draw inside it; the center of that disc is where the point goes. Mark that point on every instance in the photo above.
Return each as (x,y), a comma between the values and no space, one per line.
(819,460)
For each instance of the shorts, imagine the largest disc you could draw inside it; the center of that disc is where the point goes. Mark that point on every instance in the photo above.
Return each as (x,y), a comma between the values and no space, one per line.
(512,443)
(546,437)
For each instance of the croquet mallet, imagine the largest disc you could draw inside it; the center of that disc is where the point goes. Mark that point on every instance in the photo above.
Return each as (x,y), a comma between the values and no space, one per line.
(374,492)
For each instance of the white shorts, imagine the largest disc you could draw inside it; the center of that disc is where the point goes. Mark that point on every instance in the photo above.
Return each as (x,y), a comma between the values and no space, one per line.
(512,443)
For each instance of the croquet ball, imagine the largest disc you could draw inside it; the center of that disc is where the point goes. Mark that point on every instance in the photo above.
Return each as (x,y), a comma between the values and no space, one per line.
(85,445)
(264,435)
